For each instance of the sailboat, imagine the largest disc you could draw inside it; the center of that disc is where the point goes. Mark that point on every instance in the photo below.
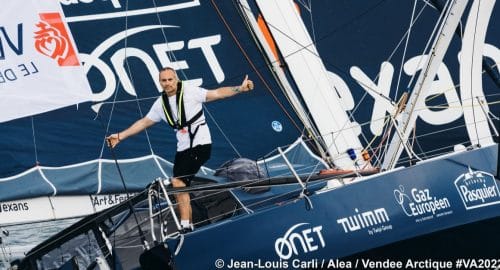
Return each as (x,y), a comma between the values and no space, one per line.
(304,202)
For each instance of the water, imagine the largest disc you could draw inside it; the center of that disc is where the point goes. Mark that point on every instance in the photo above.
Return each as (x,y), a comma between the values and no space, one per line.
(17,240)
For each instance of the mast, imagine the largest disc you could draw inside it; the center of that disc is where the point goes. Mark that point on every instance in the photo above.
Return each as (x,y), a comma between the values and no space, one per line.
(417,99)
(310,74)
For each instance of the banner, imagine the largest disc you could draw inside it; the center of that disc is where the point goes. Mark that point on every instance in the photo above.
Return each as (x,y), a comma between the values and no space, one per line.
(39,66)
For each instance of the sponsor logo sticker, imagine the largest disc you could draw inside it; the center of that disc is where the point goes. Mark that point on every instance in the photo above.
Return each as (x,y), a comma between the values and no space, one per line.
(300,238)
(277,126)
(373,221)
(422,204)
(477,189)
(19,206)
(105,201)
(52,40)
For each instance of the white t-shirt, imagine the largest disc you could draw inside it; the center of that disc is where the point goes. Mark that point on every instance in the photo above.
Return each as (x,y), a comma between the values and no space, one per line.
(193,102)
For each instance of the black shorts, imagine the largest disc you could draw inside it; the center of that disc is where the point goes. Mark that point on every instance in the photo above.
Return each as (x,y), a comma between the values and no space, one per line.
(188,162)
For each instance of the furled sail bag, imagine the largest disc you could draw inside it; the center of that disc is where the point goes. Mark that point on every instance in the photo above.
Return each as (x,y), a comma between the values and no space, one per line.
(240,169)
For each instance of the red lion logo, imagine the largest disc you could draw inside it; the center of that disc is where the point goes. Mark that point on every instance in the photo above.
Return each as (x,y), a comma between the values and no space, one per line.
(53,40)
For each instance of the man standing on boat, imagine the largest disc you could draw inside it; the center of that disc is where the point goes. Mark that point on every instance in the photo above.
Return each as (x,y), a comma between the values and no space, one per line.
(181,106)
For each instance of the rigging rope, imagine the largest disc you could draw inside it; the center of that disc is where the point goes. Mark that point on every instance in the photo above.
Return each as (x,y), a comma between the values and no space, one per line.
(133,83)
(437,28)
(141,233)
(302,47)
(407,34)
(253,65)
(251,23)
(405,48)
(34,140)
(387,60)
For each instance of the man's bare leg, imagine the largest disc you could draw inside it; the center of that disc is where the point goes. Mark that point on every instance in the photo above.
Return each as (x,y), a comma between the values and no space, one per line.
(184,201)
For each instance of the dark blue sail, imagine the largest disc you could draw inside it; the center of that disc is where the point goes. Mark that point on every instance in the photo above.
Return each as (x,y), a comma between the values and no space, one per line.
(122,47)
(372,50)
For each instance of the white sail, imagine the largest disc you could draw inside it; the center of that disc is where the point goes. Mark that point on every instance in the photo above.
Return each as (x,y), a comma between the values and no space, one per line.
(40,70)
(310,75)
(270,50)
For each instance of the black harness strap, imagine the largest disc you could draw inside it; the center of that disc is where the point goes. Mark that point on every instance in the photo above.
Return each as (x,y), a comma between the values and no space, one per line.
(181,113)
(192,134)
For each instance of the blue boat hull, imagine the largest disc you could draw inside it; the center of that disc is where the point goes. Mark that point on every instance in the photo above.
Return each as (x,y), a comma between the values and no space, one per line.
(429,197)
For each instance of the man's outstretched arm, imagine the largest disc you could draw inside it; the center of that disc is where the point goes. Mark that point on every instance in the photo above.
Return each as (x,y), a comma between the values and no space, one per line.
(135,128)
(229,91)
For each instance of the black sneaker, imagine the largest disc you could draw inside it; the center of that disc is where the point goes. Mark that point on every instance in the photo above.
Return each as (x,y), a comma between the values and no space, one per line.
(186,230)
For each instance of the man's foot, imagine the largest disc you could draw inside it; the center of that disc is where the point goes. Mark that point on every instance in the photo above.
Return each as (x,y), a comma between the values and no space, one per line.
(186,230)
(186,226)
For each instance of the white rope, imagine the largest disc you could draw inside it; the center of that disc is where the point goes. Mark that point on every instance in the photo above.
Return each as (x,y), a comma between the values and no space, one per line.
(104,143)
(307,6)
(34,139)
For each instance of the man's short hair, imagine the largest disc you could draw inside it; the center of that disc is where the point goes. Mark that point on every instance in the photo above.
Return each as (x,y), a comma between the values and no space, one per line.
(168,68)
